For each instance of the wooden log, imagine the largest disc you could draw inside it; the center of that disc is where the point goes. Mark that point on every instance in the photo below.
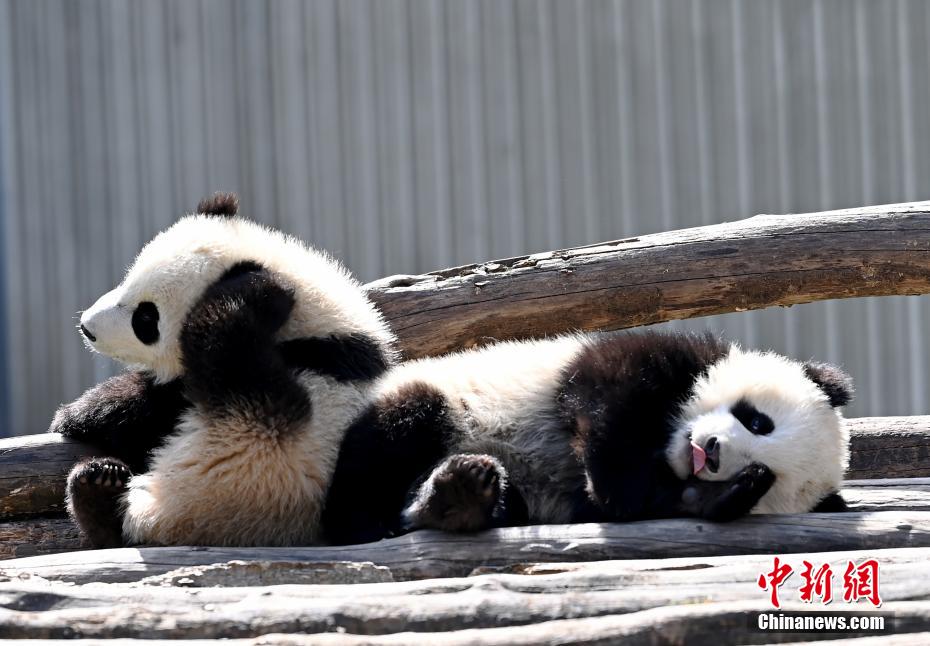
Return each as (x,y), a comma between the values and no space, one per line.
(33,467)
(891,494)
(427,554)
(32,473)
(592,630)
(889,447)
(711,595)
(711,624)
(755,263)
(35,536)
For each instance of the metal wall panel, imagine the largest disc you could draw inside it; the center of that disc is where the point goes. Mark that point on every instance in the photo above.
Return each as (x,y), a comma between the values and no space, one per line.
(410,135)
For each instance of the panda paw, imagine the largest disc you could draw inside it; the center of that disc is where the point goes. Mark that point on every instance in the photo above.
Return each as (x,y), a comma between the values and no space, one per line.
(460,495)
(93,491)
(268,302)
(240,310)
(105,475)
(730,499)
(253,296)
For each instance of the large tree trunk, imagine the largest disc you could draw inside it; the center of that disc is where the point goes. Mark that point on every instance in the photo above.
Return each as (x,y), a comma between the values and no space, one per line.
(751,264)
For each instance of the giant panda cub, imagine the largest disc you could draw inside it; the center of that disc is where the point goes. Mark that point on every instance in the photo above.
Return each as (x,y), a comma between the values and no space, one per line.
(590,428)
(251,354)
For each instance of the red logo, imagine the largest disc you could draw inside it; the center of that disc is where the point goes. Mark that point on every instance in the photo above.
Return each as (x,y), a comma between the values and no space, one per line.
(776,578)
(859,582)
(819,583)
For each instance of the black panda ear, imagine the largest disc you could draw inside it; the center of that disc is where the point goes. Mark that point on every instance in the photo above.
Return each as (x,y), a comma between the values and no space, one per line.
(220,204)
(837,385)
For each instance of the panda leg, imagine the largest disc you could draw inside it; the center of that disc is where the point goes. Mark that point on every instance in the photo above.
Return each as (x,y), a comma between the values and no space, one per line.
(729,499)
(465,493)
(385,452)
(125,416)
(93,492)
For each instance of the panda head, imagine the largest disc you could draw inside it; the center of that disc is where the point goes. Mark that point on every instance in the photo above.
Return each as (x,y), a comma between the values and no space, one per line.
(762,407)
(140,321)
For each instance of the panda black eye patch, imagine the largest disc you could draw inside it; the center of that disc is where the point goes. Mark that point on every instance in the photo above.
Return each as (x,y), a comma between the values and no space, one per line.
(145,322)
(755,421)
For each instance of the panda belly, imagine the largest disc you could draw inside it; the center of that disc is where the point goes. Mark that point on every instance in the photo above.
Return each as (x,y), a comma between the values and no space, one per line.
(231,482)
(229,487)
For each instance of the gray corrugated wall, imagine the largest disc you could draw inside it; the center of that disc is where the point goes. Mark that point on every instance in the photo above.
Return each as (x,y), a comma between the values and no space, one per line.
(405,136)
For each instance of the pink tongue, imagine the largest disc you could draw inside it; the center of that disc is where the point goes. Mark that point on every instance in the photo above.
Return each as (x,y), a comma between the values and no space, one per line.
(698,457)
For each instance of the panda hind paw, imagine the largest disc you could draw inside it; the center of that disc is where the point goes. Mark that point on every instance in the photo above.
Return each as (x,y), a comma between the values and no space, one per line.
(461,495)
(471,479)
(93,492)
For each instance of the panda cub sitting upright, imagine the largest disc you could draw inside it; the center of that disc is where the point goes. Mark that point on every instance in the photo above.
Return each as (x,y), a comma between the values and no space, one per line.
(590,428)
(252,354)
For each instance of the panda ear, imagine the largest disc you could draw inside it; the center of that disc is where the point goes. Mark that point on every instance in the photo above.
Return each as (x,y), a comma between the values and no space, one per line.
(219,204)
(837,385)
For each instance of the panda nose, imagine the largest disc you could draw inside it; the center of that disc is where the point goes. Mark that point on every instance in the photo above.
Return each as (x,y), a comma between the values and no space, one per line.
(712,451)
(87,333)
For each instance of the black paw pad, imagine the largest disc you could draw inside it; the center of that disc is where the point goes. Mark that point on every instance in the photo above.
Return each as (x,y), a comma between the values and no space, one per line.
(104,474)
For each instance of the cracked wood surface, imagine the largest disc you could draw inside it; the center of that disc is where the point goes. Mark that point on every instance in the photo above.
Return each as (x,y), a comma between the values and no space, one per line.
(758,262)
(428,554)
(643,601)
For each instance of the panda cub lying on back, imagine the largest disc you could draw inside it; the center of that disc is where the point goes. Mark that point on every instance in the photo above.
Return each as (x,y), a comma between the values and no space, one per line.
(590,428)
(251,354)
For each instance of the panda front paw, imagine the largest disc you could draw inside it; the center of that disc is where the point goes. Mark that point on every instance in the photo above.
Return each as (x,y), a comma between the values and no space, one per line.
(730,499)
(254,296)
(245,308)
(266,301)
(460,495)
(93,490)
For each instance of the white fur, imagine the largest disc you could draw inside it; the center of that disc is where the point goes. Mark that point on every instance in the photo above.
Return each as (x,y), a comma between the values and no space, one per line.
(232,481)
(807,451)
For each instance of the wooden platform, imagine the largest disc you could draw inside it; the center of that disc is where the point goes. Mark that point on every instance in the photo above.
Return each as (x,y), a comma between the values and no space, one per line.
(656,582)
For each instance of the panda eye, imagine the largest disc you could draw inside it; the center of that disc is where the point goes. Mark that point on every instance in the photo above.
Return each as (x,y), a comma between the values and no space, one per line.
(145,322)
(755,421)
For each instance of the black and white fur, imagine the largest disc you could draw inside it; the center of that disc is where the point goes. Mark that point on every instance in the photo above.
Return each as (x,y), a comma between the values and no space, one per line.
(251,353)
(590,428)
